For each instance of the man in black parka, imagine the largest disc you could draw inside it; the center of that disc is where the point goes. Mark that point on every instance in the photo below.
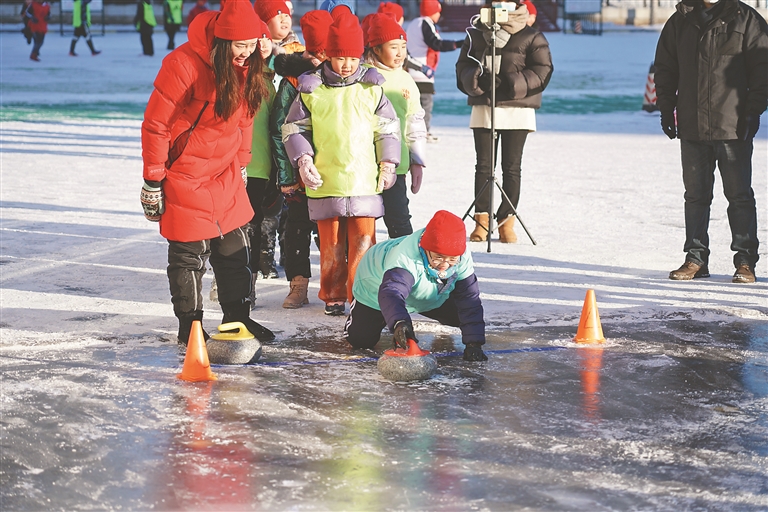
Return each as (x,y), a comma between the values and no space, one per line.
(711,87)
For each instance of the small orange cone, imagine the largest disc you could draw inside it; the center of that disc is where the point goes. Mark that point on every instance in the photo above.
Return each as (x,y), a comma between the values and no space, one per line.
(590,330)
(196,366)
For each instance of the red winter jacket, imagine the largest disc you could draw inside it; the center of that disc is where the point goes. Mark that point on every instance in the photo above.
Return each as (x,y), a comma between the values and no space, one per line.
(204,192)
(40,12)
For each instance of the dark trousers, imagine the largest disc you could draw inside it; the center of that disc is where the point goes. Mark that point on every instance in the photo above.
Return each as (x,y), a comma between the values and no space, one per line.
(364,324)
(171,29)
(298,238)
(512,142)
(145,34)
(397,217)
(229,258)
(256,188)
(38,38)
(734,159)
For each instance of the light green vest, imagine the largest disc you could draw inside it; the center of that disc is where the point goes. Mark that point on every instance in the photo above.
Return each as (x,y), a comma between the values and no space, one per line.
(77,14)
(404,253)
(403,93)
(261,146)
(343,123)
(173,14)
(149,16)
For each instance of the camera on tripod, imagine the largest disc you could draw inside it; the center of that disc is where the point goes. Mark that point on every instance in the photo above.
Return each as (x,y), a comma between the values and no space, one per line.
(497,13)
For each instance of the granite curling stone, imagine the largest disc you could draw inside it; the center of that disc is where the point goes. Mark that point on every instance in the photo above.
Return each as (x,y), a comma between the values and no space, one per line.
(407,365)
(233,344)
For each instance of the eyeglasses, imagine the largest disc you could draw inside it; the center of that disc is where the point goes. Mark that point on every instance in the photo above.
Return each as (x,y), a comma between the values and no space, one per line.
(437,260)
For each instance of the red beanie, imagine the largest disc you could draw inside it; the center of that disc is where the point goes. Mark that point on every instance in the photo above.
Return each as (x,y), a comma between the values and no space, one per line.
(366,24)
(345,37)
(268,9)
(430,7)
(237,22)
(383,28)
(392,8)
(263,30)
(314,27)
(530,6)
(445,234)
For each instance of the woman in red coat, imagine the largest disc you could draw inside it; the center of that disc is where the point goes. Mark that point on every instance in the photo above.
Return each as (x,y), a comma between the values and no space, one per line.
(196,142)
(38,14)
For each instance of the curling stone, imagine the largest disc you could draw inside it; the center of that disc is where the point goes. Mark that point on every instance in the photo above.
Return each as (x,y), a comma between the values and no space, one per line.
(407,365)
(237,346)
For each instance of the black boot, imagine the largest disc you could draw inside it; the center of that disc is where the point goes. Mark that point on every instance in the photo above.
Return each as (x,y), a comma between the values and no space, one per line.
(94,51)
(240,312)
(267,265)
(185,326)
(72,48)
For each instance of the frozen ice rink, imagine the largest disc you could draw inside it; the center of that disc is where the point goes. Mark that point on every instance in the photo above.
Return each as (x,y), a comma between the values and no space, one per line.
(671,413)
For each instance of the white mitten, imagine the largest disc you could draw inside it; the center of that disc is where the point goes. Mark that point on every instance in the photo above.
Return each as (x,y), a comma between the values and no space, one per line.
(244,175)
(308,172)
(387,176)
(417,173)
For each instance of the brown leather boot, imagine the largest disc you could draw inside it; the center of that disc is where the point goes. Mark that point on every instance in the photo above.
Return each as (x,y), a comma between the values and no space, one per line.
(507,231)
(689,270)
(479,234)
(298,295)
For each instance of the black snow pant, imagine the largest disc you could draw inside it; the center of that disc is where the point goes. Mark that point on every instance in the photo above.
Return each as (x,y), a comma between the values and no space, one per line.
(364,324)
(512,142)
(171,29)
(298,238)
(397,217)
(229,258)
(145,34)
(256,189)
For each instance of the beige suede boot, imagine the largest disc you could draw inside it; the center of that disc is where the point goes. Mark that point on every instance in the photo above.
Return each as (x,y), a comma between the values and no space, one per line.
(507,232)
(298,295)
(479,234)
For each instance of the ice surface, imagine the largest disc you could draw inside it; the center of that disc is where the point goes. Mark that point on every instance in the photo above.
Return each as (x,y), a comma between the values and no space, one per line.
(671,413)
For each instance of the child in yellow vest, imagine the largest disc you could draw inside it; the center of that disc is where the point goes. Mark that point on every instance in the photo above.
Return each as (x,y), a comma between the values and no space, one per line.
(344,136)
(387,51)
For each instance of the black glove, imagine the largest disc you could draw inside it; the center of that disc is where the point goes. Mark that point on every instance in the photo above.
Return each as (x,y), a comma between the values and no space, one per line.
(484,80)
(668,124)
(152,200)
(474,352)
(402,333)
(748,128)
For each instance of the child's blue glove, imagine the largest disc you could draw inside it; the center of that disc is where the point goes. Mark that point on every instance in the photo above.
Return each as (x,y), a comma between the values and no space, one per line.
(428,71)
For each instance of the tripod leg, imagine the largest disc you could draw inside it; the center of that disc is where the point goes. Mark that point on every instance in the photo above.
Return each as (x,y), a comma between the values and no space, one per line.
(514,211)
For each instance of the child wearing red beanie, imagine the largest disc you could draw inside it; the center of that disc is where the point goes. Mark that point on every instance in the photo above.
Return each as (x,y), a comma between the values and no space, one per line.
(429,272)
(394,10)
(387,52)
(298,226)
(343,165)
(424,47)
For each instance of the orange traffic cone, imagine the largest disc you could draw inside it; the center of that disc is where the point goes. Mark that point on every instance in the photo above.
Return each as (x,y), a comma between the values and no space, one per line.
(196,366)
(590,330)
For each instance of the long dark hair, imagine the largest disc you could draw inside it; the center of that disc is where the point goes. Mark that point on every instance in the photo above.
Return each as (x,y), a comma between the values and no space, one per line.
(229,94)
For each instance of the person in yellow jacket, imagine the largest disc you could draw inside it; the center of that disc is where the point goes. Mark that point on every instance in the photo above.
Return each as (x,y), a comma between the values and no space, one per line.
(386,42)
(145,23)
(173,18)
(81,22)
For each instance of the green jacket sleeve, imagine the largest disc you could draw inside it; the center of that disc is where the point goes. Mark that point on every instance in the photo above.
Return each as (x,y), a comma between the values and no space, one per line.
(286,174)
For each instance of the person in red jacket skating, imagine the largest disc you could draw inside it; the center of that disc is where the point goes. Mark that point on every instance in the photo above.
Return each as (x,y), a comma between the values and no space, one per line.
(206,95)
(38,13)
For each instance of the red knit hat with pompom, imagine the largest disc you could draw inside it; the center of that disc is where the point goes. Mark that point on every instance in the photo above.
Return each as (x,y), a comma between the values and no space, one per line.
(345,37)
(237,22)
(392,8)
(383,28)
(268,9)
(429,7)
(445,234)
(314,27)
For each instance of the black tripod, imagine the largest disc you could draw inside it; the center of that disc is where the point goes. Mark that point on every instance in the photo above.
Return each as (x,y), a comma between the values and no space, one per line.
(492,177)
